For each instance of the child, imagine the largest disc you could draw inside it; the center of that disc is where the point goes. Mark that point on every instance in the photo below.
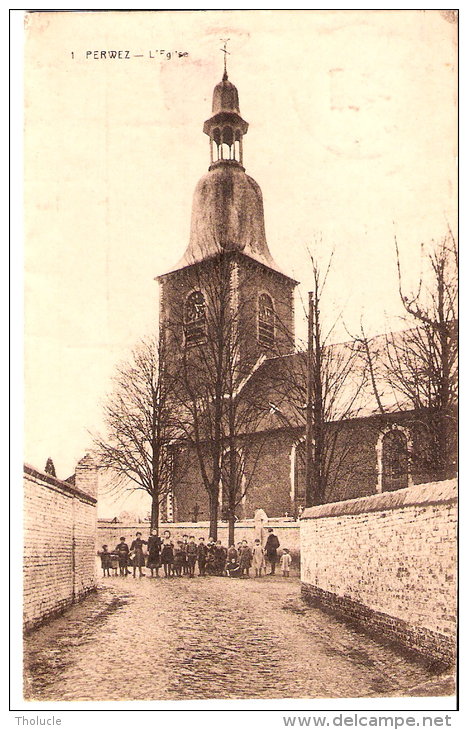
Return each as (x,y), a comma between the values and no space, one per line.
(245,558)
(114,558)
(210,556)
(123,551)
(232,568)
(202,553)
(285,562)
(136,548)
(179,558)
(105,561)
(192,552)
(185,541)
(167,554)
(219,558)
(258,559)
(232,553)
(154,550)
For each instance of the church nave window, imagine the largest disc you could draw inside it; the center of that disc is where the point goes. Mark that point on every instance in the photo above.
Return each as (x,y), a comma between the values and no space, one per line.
(195,318)
(266,320)
(393,459)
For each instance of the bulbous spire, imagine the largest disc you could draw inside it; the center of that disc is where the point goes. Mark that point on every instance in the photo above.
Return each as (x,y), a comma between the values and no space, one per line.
(226,127)
(227,210)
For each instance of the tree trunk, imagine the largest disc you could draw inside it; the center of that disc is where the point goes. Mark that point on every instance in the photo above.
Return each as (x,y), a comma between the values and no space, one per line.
(231,525)
(155,512)
(214,516)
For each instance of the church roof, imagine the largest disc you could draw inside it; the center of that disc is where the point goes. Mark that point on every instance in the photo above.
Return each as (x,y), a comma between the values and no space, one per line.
(278,386)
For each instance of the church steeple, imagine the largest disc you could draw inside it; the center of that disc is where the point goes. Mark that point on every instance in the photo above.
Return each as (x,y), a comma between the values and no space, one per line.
(228,226)
(227,210)
(226,127)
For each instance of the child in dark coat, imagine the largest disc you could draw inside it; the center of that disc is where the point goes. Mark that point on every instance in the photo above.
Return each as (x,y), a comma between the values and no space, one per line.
(192,553)
(185,542)
(123,551)
(138,556)
(210,557)
(167,553)
(202,553)
(232,568)
(154,552)
(219,558)
(179,558)
(105,556)
(245,558)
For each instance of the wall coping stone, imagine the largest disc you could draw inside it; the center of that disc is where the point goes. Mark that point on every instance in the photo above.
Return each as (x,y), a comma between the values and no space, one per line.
(62,486)
(272,522)
(419,494)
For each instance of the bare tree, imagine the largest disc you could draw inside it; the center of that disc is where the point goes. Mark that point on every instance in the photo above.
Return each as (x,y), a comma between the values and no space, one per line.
(140,430)
(319,389)
(417,367)
(421,364)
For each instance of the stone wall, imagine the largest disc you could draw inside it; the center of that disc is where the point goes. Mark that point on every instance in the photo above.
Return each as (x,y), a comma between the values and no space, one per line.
(388,562)
(59,545)
(287,531)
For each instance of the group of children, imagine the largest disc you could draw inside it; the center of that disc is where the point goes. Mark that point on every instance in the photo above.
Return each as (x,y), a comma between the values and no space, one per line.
(180,557)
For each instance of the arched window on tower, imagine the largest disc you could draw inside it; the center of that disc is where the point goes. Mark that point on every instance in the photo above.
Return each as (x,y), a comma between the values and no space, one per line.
(393,454)
(195,318)
(266,320)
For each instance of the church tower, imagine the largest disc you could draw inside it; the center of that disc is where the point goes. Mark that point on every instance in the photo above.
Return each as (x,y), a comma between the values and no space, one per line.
(228,230)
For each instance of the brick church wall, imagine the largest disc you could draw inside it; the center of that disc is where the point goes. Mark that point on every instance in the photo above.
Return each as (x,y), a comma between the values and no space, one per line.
(357,476)
(59,545)
(398,578)
(269,481)
(270,476)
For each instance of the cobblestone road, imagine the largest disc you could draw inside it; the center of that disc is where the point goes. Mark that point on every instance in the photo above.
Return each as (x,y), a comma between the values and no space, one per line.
(168,639)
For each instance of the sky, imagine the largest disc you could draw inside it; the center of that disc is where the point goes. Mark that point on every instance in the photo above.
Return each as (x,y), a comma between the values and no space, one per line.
(352,139)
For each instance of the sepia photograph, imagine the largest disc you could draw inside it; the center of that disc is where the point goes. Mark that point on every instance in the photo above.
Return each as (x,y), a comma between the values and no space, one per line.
(240,357)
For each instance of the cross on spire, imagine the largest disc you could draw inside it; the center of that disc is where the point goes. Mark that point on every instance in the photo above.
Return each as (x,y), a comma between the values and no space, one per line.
(226,53)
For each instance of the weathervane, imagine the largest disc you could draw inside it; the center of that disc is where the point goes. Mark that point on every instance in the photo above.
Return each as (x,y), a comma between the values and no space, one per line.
(226,53)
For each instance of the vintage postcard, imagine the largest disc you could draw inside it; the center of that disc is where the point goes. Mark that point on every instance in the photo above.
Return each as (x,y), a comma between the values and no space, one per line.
(241,364)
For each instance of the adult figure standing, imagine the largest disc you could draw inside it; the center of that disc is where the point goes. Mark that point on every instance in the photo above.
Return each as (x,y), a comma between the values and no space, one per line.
(154,552)
(271,549)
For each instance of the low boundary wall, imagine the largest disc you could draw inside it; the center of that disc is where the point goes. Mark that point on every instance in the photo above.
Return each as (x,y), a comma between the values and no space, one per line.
(388,563)
(287,532)
(59,546)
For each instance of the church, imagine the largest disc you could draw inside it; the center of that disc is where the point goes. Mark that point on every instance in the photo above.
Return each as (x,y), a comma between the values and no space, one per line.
(375,448)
